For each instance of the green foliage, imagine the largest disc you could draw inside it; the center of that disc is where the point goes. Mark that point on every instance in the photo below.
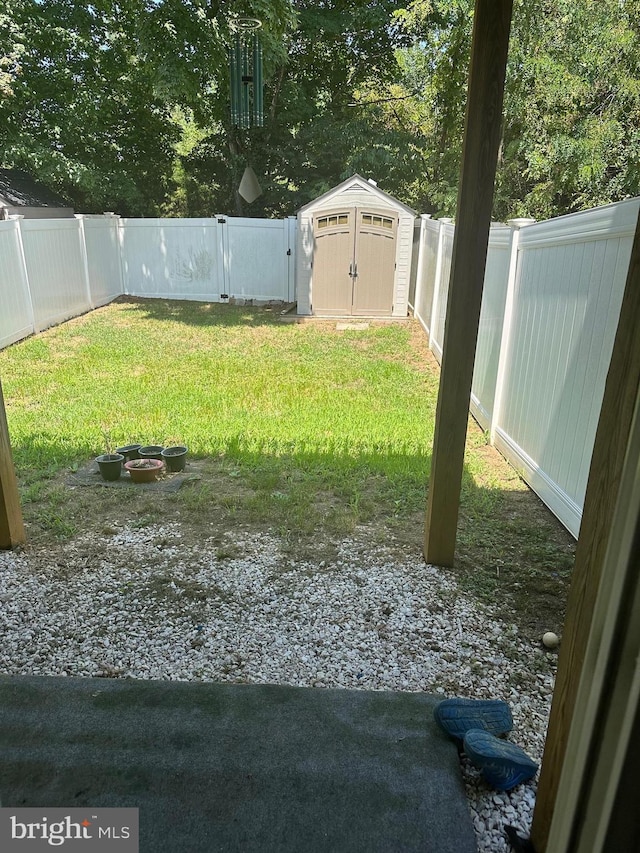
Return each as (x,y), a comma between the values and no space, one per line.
(571,137)
(83,113)
(314,136)
(572,107)
(125,105)
(90,91)
(433,82)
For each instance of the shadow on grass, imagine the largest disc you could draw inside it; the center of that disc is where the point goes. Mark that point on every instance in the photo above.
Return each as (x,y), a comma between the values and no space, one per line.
(199,313)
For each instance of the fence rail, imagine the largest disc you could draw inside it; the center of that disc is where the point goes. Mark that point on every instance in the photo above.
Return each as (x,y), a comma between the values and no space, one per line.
(550,308)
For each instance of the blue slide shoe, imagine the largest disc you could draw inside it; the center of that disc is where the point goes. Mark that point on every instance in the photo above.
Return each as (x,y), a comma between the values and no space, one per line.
(457,716)
(504,765)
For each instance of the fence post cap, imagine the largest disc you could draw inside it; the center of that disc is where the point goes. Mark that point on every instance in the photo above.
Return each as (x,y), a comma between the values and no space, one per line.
(519,223)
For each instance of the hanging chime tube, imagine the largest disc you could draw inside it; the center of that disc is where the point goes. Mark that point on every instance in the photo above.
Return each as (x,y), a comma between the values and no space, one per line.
(233,76)
(261,86)
(246,114)
(236,81)
(239,77)
(240,83)
(258,110)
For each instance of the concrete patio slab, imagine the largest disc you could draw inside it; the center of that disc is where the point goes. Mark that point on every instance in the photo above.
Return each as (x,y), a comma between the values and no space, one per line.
(229,767)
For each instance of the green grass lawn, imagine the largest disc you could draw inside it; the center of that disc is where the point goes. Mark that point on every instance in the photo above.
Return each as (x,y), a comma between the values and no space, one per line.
(222,380)
(300,427)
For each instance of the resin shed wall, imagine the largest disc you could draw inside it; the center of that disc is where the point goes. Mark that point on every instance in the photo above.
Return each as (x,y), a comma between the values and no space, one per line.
(354,253)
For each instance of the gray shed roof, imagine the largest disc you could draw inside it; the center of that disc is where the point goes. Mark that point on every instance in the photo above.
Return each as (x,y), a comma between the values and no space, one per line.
(365,184)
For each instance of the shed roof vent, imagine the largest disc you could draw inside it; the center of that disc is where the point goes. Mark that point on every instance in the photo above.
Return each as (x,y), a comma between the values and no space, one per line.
(372,182)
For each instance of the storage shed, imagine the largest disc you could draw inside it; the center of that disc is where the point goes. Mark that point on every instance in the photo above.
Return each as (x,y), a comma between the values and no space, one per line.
(353,255)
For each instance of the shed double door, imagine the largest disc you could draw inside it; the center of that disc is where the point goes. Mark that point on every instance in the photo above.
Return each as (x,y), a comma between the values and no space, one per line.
(354,262)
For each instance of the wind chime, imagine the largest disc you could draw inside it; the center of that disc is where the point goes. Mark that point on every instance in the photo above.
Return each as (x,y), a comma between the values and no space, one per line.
(245,66)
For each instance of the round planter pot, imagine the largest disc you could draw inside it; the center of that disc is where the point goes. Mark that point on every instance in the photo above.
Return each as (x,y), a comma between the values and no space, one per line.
(129,452)
(110,465)
(143,470)
(175,457)
(151,451)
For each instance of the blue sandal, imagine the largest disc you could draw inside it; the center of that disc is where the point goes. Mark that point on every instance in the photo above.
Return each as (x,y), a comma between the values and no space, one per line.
(458,716)
(504,765)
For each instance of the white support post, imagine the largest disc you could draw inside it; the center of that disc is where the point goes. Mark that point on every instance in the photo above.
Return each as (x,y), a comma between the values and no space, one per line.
(85,260)
(223,255)
(291,224)
(124,279)
(285,258)
(437,276)
(516,225)
(114,222)
(17,218)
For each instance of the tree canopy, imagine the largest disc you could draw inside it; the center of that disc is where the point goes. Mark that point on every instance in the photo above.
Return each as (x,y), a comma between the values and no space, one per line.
(124,104)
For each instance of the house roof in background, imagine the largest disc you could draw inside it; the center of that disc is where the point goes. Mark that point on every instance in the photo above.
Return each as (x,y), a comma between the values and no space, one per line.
(18,189)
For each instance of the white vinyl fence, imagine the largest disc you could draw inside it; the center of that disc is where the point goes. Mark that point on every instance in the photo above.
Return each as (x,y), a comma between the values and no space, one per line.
(16,311)
(550,308)
(54,269)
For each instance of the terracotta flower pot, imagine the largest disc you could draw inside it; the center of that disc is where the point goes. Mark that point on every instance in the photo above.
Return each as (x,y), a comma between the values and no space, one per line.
(175,457)
(143,470)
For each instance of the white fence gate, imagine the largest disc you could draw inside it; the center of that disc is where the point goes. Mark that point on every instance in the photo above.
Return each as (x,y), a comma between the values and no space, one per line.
(259,258)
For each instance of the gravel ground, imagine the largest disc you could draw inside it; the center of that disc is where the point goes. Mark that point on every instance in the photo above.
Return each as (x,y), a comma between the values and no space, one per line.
(144,604)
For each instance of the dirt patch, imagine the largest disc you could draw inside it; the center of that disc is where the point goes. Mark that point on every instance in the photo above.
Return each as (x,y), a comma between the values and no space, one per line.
(89,475)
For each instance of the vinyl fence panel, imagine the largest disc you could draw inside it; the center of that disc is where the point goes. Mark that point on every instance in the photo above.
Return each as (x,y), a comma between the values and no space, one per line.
(418,229)
(427,267)
(16,315)
(570,280)
(102,257)
(172,258)
(441,291)
(55,269)
(485,374)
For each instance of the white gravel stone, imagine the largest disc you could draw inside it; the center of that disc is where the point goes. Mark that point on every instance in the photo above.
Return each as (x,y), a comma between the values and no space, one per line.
(149,606)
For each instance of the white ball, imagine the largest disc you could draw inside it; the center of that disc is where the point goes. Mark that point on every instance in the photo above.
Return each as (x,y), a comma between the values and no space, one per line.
(550,640)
